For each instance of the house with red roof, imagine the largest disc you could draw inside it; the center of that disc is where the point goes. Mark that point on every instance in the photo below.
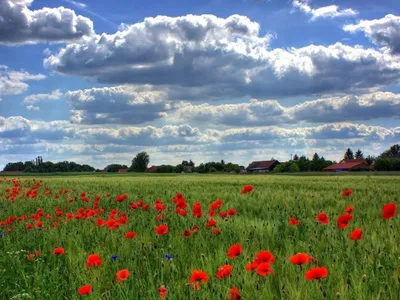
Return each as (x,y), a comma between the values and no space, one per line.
(152,169)
(348,165)
(262,166)
(123,170)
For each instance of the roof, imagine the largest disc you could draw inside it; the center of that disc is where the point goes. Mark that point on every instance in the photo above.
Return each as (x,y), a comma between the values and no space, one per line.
(346,165)
(151,169)
(360,160)
(259,165)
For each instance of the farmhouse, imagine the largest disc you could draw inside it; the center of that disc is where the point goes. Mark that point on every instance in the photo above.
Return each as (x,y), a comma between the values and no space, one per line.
(152,169)
(123,171)
(262,166)
(349,165)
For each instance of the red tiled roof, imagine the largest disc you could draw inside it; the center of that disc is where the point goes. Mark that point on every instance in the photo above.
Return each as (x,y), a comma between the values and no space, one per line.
(266,164)
(345,165)
(360,160)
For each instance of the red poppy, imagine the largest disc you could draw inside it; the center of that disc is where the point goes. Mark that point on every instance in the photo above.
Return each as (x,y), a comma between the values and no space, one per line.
(234,251)
(211,223)
(349,209)
(197,276)
(389,211)
(187,232)
(58,251)
(316,273)
(85,290)
(31,256)
(300,259)
(252,266)
(224,271)
(216,204)
(122,275)
(347,193)
(322,218)
(162,230)
(197,210)
(163,292)
(195,228)
(231,212)
(223,214)
(343,220)
(130,235)
(233,294)
(293,221)
(93,260)
(216,231)
(265,256)
(264,269)
(356,234)
(121,198)
(246,189)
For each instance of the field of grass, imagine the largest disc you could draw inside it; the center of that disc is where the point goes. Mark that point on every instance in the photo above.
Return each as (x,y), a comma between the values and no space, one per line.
(357,269)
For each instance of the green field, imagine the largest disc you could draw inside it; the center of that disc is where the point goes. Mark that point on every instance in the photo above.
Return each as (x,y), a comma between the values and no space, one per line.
(365,269)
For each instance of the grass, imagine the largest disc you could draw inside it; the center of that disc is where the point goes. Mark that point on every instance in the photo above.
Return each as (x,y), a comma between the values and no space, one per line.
(366,269)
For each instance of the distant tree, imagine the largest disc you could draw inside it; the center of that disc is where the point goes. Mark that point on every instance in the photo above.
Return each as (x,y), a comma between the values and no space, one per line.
(359,154)
(295,157)
(222,162)
(191,163)
(370,159)
(394,151)
(348,154)
(179,168)
(114,168)
(185,163)
(140,162)
(288,167)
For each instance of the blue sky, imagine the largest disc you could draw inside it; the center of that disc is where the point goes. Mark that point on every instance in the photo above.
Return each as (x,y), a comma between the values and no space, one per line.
(98,81)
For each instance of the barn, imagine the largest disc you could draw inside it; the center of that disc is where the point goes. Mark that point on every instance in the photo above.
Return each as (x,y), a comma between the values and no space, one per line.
(349,165)
(123,170)
(262,166)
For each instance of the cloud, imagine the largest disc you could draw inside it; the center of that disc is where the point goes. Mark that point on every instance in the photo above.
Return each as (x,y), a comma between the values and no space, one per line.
(331,11)
(383,32)
(20,25)
(118,105)
(215,54)
(76,3)
(14,82)
(32,107)
(54,95)
(271,112)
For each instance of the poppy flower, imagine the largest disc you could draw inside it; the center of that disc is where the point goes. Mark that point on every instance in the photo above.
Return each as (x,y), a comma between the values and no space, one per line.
(265,256)
(300,259)
(223,214)
(93,260)
(233,294)
(163,292)
(349,209)
(224,271)
(85,290)
(234,251)
(252,266)
(293,221)
(231,212)
(216,231)
(264,269)
(59,251)
(187,232)
(122,275)
(356,234)
(323,218)
(121,198)
(389,211)
(211,223)
(347,193)
(316,273)
(197,276)
(195,228)
(246,189)
(31,256)
(343,221)
(130,235)
(162,230)
(216,204)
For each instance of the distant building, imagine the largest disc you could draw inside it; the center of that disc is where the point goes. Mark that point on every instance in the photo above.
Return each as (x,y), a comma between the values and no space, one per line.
(123,171)
(152,169)
(188,169)
(262,166)
(349,165)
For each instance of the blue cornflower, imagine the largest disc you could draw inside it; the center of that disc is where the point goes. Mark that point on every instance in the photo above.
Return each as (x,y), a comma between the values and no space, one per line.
(169,256)
(1,234)
(114,257)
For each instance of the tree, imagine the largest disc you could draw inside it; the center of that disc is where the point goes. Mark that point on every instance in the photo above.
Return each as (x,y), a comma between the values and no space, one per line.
(114,168)
(348,154)
(191,163)
(359,154)
(370,159)
(394,151)
(222,162)
(140,162)
(295,157)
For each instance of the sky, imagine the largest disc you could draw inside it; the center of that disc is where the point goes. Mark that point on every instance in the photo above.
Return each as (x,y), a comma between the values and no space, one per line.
(241,80)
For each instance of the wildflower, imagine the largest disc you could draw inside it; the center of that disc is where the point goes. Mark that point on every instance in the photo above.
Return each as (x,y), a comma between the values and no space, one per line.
(356,234)
(293,221)
(85,290)
(216,231)
(233,294)
(264,269)
(211,223)
(163,292)
(121,198)
(197,277)
(343,221)
(389,211)
(122,275)
(31,256)
(169,257)
(316,273)
(130,235)
(59,251)
(114,257)
(300,258)
(246,189)
(265,256)
(347,193)
(162,230)
(187,232)
(323,218)
(195,228)
(251,266)
(234,251)
(93,260)
(231,212)
(349,209)
(224,271)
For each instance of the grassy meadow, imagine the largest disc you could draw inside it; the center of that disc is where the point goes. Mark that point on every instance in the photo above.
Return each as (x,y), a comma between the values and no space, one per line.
(358,269)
